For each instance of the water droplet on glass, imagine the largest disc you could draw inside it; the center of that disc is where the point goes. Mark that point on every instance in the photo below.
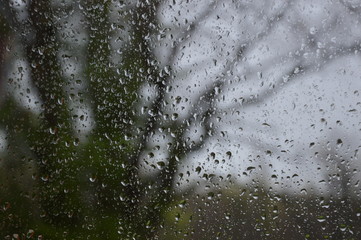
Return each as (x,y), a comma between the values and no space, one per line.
(313,30)
(93,179)
(321,219)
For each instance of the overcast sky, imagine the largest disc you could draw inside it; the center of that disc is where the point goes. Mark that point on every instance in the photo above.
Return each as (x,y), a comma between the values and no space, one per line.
(291,83)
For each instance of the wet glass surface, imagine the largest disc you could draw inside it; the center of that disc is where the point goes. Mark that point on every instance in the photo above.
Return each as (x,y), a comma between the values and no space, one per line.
(180,119)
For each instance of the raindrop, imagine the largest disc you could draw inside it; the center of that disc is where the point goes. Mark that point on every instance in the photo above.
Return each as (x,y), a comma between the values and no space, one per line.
(160,165)
(250,168)
(321,219)
(313,30)
(343,227)
(93,179)
(304,191)
(174,116)
(53,130)
(259,75)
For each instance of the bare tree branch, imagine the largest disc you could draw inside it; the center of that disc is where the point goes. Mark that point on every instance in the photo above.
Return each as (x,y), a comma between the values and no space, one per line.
(157,105)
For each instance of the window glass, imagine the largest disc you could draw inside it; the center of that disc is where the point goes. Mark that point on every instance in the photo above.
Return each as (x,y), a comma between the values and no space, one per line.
(178,119)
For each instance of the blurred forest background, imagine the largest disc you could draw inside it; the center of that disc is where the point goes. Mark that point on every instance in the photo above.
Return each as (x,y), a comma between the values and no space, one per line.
(177,119)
